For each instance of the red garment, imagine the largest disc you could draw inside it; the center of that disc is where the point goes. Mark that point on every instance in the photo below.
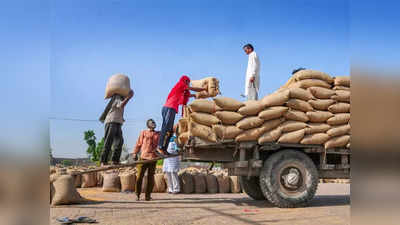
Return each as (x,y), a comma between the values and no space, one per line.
(179,95)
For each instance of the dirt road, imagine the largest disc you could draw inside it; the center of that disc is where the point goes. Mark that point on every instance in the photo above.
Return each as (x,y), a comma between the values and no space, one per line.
(330,206)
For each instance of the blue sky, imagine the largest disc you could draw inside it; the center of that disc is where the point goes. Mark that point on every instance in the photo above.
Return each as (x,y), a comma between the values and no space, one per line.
(155,42)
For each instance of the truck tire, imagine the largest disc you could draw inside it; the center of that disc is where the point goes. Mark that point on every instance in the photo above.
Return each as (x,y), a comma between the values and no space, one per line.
(289,179)
(251,187)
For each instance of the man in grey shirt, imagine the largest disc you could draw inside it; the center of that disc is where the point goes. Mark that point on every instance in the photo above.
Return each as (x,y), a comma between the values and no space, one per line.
(113,117)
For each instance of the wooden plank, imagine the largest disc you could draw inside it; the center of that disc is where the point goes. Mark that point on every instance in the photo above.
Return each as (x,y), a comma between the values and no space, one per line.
(204,155)
(334,174)
(243,172)
(243,164)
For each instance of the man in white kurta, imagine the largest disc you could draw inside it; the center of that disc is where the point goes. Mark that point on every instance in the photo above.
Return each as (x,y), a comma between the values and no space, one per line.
(252,74)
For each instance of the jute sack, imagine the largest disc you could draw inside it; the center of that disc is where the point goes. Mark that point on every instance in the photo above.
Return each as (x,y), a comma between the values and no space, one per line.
(337,142)
(341,88)
(99,179)
(292,137)
(200,185)
(128,182)
(251,108)
(298,104)
(235,185)
(183,138)
(228,104)
(118,84)
(226,132)
(224,185)
(339,107)
(322,93)
(288,83)
(64,191)
(111,182)
(210,83)
(89,180)
(313,128)
(296,115)
(339,130)
(342,81)
(204,118)
(310,83)
(228,118)
(313,74)
(341,96)
(348,145)
(339,119)
(160,186)
(203,132)
(321,104)
(212,184)
(203,105)
(254,133)
(183,125)
(300,93)
(319,116)
(270,136)
(187,184)
(315,139)
(77,177)
(276,99)
(291,125)
(249,122)
(273,112)
(144,183)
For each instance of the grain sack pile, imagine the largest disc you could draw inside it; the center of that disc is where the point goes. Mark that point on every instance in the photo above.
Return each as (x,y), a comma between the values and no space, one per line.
(311,108)
(211,84)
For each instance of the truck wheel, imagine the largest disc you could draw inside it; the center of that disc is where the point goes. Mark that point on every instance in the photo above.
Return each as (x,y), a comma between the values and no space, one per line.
(289,179)
(251,187)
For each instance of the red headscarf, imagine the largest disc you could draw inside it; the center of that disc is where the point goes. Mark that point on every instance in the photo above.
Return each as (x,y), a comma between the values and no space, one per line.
(180,91)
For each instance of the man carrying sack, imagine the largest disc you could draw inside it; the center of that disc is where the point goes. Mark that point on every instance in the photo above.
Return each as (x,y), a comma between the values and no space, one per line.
(147,145)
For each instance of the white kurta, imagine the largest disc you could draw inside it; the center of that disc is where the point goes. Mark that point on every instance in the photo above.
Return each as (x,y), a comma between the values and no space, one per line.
(253,70)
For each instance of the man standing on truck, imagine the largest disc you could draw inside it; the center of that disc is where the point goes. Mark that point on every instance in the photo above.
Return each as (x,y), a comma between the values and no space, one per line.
(252,74)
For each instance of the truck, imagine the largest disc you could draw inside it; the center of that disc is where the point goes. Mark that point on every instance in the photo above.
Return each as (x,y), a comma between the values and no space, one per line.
(286,175)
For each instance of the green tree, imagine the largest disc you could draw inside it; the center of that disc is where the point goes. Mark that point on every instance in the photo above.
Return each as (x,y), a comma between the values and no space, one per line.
(94,149)
(67,162)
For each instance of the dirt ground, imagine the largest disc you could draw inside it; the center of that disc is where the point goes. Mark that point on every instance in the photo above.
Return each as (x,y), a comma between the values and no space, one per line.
(330,206)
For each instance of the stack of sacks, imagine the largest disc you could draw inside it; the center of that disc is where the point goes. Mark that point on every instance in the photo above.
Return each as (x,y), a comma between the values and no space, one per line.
(229,116)
(211,84)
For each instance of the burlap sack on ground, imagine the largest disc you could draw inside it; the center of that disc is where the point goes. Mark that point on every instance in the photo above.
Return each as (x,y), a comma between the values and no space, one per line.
(200,185)
(313,128)
(204,118)
(301,94)
(118,84)
(276,99)
(77,177)
(310,83)
(337,142)
(321,93)
(128,182)
(292,137)
(203,132)
(111,182)
(212,184)
(235,185)
(229,118)
(342,81)
(315,139)
(228,104)
(273,112)
(298,104)
(321,104)
(203,105)
(89,180)
(187,183)
(341,88)
(160,186)
(339,130)
(341,96)
(249,122)
(183,138)
(296,115)
(224,185)
(313,74)
(339,119)
(291,125)
(226,132)
(319,116)
(339,107)
(64,191)
(254,133)
(183,125)
(251,108)
(270,136)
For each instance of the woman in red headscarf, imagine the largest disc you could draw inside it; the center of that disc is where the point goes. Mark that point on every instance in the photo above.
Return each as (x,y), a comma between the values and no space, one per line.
(179,95)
